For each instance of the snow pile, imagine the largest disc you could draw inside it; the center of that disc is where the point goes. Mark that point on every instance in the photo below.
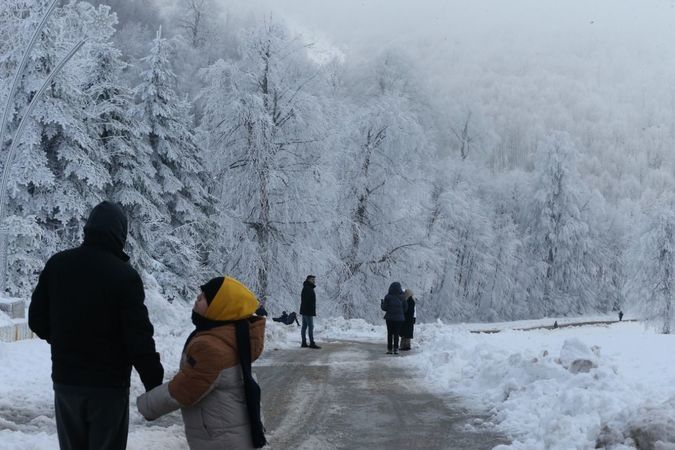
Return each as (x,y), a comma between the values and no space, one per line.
(5,320)
(576,357)
(281,336)
(556,389)
(354,329)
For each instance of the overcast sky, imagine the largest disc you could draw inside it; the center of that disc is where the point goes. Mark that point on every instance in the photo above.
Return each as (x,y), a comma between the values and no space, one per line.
(604,39)
(381,22)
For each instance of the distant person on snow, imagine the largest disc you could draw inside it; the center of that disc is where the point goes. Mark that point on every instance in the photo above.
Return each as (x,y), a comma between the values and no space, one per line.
(214,388)
(409,323)
(308,311)
(620,315)
(89,306)
(287,319)
(395,307)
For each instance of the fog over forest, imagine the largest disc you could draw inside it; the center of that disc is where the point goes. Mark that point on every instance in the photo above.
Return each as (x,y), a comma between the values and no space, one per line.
(504,160)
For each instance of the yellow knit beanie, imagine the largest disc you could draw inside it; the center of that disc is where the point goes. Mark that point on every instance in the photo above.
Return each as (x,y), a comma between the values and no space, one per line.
(233,301)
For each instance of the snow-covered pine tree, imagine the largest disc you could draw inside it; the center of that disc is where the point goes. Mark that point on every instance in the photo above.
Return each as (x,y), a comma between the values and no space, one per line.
(24,234)
(77,161)
(56,174)
(120,136)
(182,246)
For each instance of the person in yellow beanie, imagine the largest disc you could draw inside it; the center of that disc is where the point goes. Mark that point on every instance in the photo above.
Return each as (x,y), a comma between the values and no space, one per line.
(218,397)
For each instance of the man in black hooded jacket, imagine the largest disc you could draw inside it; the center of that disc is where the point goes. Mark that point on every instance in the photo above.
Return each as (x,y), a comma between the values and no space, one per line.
(308,311)
(89,306)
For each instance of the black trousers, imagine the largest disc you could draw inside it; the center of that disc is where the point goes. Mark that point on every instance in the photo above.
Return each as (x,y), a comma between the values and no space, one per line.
(91,418)
(393,333)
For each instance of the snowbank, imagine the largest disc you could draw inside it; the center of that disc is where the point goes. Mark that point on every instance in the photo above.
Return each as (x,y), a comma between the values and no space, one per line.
(5,320)
(529,380)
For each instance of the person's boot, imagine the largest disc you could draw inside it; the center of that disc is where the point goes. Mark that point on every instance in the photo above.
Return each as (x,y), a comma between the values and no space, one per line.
(304,344)
(395,351)
(313,345)
(389,352)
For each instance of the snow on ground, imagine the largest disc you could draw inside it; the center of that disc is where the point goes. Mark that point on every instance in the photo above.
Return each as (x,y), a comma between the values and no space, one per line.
(626,395)
(521,376)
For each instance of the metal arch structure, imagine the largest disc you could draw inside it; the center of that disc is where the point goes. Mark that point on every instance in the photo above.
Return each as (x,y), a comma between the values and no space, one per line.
(15,140)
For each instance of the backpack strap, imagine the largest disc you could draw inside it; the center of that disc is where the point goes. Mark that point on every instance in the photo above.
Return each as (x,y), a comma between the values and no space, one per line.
(251,387)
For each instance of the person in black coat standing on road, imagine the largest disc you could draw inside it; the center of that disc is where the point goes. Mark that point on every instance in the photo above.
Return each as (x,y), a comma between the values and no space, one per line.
(395,307)
(409,323)
(308,311)
(89,306)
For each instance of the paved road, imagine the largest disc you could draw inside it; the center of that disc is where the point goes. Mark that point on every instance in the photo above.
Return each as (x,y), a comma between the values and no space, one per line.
(350,395)
(554,326)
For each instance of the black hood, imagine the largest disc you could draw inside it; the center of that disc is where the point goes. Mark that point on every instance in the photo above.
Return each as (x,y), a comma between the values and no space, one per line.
(107,227)
(395,288)
(308,284)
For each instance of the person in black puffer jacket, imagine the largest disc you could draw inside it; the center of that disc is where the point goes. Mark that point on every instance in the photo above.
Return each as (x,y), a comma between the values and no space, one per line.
(89,306)
(395,307)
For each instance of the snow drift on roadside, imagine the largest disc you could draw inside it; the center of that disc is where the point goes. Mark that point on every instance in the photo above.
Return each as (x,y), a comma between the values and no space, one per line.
(524,378)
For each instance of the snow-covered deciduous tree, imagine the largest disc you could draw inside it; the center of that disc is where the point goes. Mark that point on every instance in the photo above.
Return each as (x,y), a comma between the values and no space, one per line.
(558,234)
(462,238)
(262,122)
(381,155)
(195,18)
(653,263)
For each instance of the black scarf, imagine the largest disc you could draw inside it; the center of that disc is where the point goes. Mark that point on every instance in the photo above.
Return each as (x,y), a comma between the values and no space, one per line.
(202,324)
(251,388)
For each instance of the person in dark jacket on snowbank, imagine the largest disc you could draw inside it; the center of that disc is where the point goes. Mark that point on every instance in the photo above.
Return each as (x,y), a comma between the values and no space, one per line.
(395,306)
(214,388)
(308,311)
(89,306)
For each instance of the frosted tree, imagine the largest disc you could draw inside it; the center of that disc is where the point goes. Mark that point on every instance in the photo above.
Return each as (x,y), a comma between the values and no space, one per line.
(181,247)
(262,121)
(195,18)
(75,158)
(57,173)
(129,157)
(653,262)
(479,267)
(381,155)
(507,277)
(461,235)
(557,234)
(30,168)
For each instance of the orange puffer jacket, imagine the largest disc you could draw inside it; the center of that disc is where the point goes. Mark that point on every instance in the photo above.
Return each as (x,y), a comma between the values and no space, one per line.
(209,389)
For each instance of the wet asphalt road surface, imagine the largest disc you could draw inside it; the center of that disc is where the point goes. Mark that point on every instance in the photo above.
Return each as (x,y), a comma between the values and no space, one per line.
(351,395)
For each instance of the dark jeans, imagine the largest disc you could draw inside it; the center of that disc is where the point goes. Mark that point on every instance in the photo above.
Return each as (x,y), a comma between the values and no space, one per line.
(393,333)
(91,418)
(308,324)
